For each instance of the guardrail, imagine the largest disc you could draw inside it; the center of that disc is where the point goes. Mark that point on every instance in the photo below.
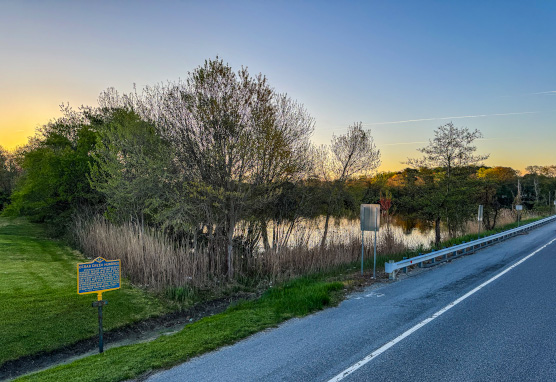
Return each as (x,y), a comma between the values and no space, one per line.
(460,249)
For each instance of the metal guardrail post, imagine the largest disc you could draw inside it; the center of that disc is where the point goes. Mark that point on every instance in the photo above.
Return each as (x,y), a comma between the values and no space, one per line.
(392,275)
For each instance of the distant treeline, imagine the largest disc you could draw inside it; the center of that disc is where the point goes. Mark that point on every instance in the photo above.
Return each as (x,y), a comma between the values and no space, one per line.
(217,159)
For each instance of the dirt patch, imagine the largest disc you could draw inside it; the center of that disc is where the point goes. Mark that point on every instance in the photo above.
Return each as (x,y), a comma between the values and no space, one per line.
(143,331)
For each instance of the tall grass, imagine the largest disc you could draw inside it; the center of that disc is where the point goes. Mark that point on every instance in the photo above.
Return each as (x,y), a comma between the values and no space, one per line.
(151,259)
(148,257)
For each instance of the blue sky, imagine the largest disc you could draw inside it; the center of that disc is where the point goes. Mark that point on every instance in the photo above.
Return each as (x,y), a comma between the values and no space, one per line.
(369,61)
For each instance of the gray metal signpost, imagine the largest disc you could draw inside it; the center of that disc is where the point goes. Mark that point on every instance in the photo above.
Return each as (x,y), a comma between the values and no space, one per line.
(370,221)
(480,218)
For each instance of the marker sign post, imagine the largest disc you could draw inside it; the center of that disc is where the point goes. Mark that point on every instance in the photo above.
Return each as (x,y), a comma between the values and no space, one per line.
(98,276)
(370,221)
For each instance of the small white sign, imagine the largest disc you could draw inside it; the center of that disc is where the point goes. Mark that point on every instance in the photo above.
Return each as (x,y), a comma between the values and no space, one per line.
(518,207)
(480,213)
(370,217)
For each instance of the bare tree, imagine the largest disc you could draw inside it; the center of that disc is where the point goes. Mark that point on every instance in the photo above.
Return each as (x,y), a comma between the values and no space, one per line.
(451,148)
(282,149)
(231,134)
(353,153)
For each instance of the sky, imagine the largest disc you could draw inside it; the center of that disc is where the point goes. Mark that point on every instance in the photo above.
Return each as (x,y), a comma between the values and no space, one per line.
(402,68)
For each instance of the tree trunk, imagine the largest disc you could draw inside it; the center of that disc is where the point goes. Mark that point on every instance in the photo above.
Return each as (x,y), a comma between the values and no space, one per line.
(231,228)
(331,199)
(494,219)
(437,232)
(288,234)
(326,221)
(264,233)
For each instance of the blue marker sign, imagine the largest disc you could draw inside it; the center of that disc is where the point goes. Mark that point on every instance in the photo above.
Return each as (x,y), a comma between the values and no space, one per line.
(98,276)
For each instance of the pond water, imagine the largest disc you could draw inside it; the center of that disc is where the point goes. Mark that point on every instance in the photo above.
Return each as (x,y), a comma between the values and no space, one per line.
(412,233)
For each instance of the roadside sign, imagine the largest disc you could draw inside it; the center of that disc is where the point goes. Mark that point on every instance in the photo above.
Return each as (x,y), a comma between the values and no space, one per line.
(370,221)
(98,276)
(370,217)
(480,214)
(518,207)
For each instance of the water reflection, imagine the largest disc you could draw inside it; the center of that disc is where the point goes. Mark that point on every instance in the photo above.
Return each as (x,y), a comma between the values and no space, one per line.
(410,232)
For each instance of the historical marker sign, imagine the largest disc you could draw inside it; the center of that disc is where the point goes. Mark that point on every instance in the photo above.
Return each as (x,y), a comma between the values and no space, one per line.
(98,276)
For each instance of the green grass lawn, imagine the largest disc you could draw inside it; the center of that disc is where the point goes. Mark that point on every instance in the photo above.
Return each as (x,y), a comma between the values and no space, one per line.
(40,309)
(296,298)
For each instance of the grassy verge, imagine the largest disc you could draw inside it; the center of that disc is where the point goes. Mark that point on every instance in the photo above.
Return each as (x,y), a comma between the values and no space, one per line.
(40,309)
(296,298)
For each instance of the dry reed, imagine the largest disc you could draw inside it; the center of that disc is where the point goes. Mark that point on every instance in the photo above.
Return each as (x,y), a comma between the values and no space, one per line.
(152,260)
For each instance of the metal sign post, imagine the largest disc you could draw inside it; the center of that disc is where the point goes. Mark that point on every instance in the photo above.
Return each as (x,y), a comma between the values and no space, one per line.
(98,276)
(100,303)
(370,221)
(362,249)
(376,230)
(480,218)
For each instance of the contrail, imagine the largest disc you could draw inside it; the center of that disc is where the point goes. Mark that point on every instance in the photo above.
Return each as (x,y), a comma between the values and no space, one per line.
(402,143)
(421,142)
(549,92)
(442,118)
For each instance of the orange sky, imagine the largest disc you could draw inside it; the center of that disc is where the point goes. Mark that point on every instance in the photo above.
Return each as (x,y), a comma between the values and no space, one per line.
(17,124)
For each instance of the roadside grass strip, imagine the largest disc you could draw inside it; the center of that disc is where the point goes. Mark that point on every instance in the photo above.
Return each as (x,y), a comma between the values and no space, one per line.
(41,310)
(294,299)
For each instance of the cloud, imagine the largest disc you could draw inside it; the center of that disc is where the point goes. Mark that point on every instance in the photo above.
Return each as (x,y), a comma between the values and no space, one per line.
(444,118)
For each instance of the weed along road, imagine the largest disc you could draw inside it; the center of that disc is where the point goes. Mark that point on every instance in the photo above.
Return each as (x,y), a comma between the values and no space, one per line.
(489,316)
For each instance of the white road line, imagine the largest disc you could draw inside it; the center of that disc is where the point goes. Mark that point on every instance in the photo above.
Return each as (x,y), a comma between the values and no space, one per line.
(407,333)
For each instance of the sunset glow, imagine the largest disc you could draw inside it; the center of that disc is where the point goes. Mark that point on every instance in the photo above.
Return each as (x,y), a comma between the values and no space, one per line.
(402,69)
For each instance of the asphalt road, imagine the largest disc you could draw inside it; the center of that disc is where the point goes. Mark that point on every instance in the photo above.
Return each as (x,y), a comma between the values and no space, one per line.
(502,332)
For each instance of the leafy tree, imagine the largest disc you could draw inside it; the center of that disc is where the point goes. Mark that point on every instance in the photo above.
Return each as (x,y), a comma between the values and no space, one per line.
(132,167)
(419,196)
(495,192)
(8,174)
(55,167)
